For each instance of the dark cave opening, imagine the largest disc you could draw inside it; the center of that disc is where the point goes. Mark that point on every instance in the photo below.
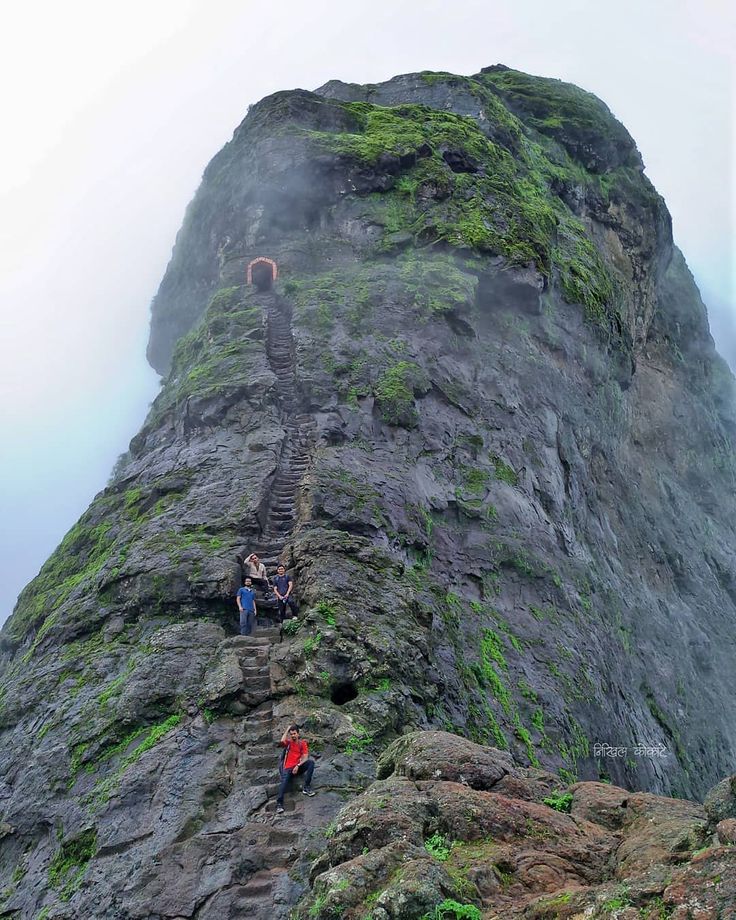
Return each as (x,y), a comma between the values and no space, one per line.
(263,276)
(343,692)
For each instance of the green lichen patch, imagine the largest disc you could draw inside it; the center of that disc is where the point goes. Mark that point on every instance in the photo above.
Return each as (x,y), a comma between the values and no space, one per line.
(576,119)
(508,196)
(584,277)
(78,559)
(395,390)
(132,747)
(216,355)
(402,130)
(70,862)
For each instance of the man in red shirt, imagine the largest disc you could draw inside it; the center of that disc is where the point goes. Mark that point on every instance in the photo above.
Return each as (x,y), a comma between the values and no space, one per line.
(296,760)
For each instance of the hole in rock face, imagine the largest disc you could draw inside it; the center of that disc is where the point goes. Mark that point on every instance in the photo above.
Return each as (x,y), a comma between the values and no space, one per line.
(459,326)
(262,276)
(459,161)
(343,693)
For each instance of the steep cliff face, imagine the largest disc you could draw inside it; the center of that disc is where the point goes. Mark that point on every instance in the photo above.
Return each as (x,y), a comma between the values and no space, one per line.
(479,415)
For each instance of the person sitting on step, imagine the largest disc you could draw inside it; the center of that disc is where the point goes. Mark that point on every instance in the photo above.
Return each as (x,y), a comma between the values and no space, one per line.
(256,570)
(282,587)
(246,598)
(295,760)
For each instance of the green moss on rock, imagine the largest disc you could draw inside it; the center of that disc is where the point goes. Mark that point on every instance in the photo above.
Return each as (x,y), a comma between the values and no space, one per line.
(395,392)
(576,119)
(500,200)
(70,863)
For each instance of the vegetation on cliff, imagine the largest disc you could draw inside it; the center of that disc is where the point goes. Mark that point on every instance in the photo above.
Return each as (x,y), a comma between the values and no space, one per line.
(510,507)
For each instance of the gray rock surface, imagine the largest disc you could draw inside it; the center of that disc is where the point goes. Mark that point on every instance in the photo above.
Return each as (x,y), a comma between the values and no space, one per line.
(480,417)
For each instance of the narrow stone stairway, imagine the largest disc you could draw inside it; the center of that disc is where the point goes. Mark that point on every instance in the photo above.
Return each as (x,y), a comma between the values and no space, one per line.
(300,427)
(268,892)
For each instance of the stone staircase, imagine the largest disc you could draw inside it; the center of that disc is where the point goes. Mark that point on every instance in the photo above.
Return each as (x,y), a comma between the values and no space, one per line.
(280,517)
(268,892)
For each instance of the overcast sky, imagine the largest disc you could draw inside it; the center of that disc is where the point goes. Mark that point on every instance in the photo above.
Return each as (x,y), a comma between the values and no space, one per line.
(111,111)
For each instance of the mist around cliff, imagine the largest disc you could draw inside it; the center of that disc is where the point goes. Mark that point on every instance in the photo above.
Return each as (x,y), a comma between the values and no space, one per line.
(96,180)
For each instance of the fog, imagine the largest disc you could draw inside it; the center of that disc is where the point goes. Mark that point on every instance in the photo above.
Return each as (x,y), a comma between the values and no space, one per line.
(111,112)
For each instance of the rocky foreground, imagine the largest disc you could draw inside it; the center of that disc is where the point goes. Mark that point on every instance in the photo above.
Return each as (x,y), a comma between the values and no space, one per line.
(454,830)
(430,344)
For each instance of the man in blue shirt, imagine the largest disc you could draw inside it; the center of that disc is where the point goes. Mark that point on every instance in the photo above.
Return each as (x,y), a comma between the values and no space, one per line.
(282,585)
(246,598)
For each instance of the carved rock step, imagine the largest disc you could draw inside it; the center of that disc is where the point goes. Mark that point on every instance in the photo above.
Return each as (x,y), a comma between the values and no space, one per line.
(253,681)
(276,516)
(260,715)
(263,749)
(260,734)
(258,886)
(263,637)
(256,670)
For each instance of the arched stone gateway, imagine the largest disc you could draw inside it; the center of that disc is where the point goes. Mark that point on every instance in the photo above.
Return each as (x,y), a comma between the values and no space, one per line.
(262,272)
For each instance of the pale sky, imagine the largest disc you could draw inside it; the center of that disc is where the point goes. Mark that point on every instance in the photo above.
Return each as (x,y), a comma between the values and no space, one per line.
(111,111)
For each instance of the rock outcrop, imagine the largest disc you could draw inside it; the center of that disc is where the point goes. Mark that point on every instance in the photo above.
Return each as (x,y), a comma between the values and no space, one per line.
(431,838)
(470,398)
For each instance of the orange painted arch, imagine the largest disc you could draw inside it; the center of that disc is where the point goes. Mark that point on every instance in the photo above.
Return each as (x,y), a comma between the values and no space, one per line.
(274,268)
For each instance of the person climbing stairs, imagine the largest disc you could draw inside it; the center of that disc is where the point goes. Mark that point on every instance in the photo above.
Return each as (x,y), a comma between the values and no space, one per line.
(280,517)
(264,894)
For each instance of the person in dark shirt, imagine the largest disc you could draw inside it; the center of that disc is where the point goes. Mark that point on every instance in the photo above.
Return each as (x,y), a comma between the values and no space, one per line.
(246,599)
(282,588)
(295,760)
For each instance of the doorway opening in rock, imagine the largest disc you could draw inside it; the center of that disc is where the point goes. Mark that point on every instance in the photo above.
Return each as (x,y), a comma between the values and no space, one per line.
(262,273)
(262,276)
(343,693)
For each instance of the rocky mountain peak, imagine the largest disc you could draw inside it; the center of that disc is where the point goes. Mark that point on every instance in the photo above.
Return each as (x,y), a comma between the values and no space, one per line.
(428,343)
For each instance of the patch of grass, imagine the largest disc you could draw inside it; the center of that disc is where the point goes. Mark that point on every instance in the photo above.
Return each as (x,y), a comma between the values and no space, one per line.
(558,900)
(452,610)
(491,648)
(312,644)
(522,733)
(131,499)
(450,909)
(70,862)
(359,741)
(316,910)
(618,901)
(114,687)
(79,558)
(474,479)
(584,277)
(394,392)
(504,472)
(435,284)
(149,737)
(438,846)
(560,801)
(327,611)
(529,694)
